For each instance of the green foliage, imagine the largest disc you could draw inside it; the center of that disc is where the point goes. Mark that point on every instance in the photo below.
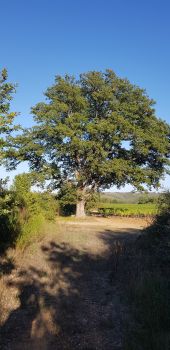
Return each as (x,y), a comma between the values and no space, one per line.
(9,218)
(67,197)
(48,205)
(67,193)
(22,183)
(38,208)
(97,131)
(33,202)
(22,212)
(6,117)
(163,216)
(146,198)
(92,201)
(32,230)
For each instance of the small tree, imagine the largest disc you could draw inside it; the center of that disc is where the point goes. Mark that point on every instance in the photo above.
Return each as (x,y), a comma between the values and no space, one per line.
(6,117)
(96,132)
(32,203)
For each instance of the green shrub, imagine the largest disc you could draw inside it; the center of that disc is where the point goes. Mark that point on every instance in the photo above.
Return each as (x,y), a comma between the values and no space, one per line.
(9,219)
(163,216)
(43,203)
(22,212)
(31,230)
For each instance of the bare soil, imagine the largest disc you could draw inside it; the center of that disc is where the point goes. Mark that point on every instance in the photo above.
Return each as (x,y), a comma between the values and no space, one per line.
(59,294)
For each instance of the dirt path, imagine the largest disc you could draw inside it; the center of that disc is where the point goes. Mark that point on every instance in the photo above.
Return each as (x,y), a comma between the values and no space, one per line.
(60,294)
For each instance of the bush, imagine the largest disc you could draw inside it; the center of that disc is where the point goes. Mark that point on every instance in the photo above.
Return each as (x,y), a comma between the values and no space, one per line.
(9,219)
(38,208)
(42,203)
(22,212)
(163,216)
(31,230)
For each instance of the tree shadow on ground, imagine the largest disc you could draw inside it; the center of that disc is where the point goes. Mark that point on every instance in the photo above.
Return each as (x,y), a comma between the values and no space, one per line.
(6,265)
(71,303)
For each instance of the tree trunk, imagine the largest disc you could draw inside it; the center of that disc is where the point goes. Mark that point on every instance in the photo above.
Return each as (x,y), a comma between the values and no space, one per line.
(80,210)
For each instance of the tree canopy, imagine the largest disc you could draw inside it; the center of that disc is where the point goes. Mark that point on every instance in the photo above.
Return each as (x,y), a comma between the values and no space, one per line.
(6,117)
(97,131)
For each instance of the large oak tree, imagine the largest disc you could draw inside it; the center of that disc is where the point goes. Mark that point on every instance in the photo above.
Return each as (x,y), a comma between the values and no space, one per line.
(95,132)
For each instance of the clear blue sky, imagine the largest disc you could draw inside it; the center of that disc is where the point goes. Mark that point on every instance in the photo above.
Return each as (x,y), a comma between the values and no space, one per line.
(41,38)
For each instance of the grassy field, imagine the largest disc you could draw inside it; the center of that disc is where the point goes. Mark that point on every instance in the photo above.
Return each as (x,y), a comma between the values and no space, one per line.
(124,209)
